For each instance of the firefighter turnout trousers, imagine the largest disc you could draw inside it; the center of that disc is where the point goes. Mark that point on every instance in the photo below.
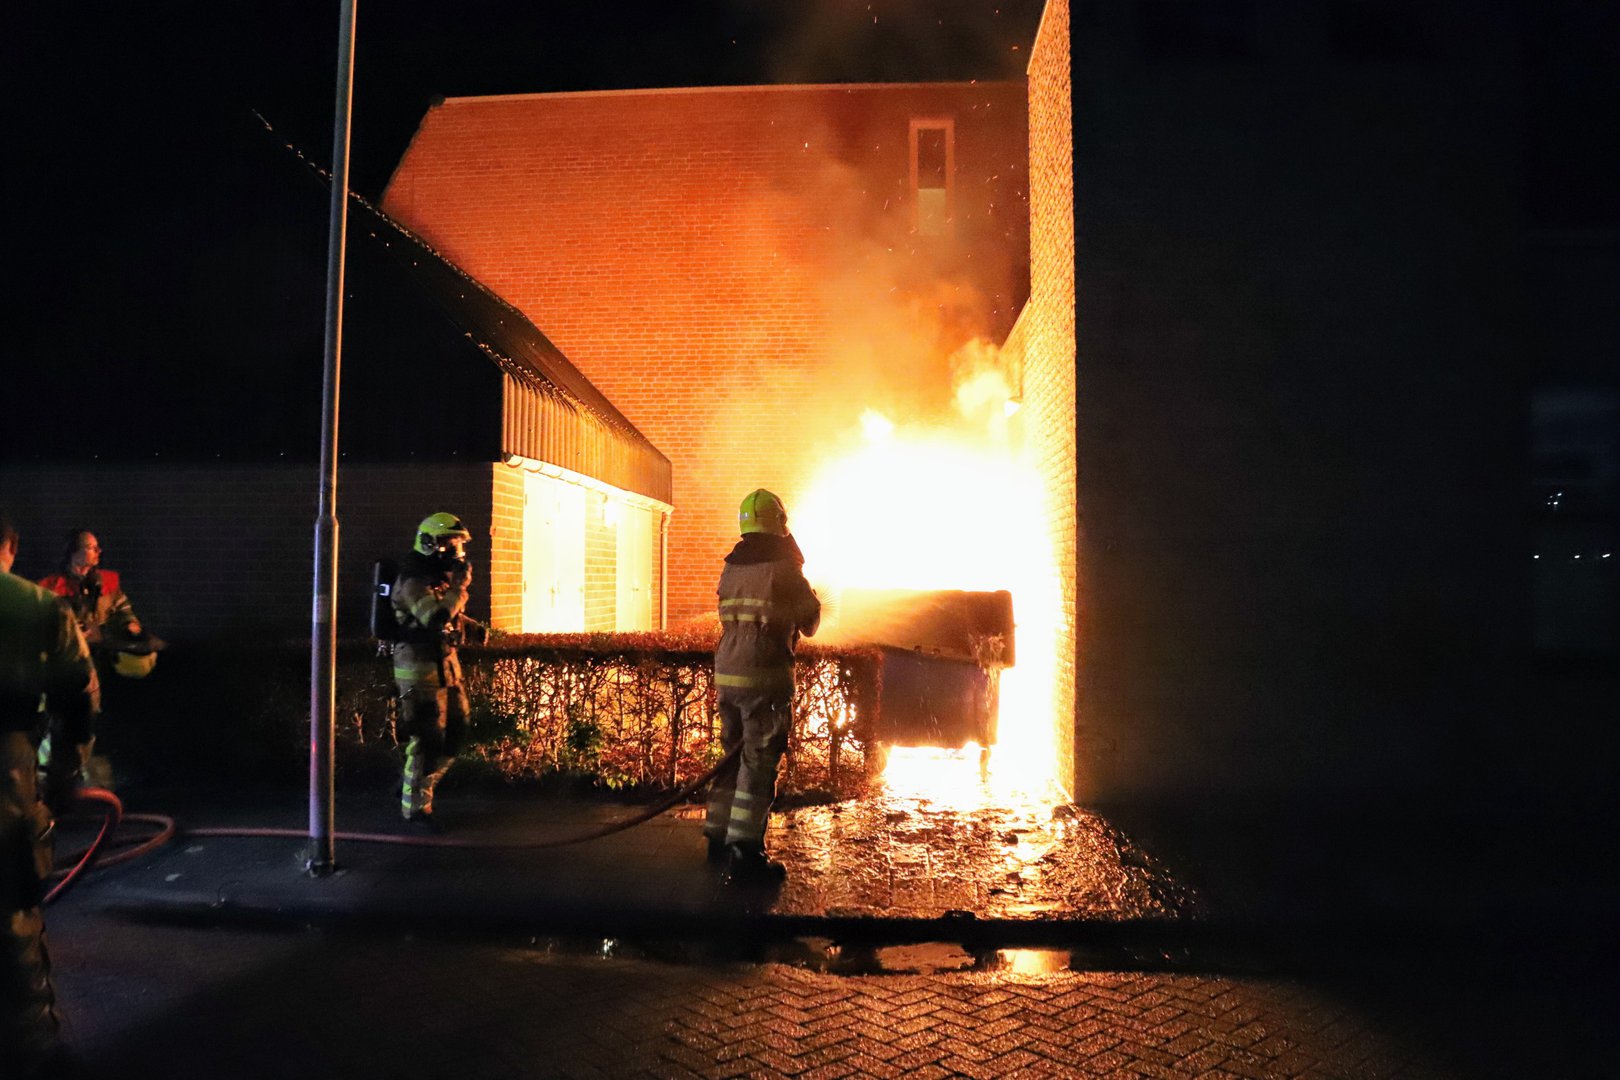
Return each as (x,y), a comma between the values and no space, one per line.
(28,1019)
(432,722)
(741,794)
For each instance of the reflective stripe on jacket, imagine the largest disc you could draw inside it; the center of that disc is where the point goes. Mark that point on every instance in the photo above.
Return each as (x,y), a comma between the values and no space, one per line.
(428,602)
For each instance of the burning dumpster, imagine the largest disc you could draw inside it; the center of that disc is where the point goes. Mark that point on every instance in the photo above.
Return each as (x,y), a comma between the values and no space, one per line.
(943,652)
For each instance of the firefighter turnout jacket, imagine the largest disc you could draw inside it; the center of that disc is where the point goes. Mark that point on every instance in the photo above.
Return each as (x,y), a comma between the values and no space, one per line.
(97,600)
(429,598)
(42,655)
(765,605)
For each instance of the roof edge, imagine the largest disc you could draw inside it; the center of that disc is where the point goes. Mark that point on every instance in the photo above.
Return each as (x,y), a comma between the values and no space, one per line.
(578,390)
(764,87)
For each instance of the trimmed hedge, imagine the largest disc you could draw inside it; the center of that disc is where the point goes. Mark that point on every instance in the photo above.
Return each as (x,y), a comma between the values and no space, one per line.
(638,710)
(625,712)
(622,711)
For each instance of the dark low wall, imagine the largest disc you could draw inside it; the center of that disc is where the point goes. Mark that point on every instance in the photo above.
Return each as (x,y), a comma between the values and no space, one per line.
(226,551)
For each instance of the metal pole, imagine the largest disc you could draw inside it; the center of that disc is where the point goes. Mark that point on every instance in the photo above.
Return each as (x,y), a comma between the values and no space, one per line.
(323,626)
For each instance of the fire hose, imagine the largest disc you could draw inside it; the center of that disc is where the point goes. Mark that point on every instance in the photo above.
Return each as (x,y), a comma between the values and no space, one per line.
(73,866)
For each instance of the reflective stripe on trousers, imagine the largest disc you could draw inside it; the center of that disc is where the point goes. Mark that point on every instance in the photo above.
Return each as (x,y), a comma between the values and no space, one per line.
(29,1022)
(740,796)
(416,791)
(433,722)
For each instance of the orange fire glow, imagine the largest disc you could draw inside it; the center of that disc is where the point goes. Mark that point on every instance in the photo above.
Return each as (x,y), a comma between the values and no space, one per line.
(950,506)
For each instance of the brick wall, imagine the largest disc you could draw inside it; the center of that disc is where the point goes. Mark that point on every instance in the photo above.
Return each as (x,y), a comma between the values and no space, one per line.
(218,550)
(660,554)
(734,269)
(506,550)
(1047,330)
(601,565)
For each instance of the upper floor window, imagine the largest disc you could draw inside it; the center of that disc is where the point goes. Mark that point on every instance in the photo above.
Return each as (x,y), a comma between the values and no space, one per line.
(933,170)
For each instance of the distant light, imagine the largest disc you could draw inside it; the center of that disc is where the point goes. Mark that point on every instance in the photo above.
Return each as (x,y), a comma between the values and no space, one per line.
(1606,554)
(1577,556)
(1535,556)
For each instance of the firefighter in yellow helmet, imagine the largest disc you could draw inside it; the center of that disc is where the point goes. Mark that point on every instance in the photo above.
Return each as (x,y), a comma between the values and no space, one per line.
(429,600)
(43,659)
(765,605)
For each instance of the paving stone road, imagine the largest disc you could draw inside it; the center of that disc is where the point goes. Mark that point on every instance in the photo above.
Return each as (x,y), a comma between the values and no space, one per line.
(177,1002)
(466,997)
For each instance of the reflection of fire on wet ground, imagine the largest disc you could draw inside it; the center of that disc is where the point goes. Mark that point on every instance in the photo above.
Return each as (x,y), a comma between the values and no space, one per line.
(996,855)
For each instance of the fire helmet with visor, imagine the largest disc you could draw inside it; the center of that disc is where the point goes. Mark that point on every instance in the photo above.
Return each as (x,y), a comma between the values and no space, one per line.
(442,533)
(762,512)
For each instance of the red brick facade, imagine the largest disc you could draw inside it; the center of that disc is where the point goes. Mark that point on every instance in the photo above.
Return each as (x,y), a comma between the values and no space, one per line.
(1047,328)
(738,270)
(506,550)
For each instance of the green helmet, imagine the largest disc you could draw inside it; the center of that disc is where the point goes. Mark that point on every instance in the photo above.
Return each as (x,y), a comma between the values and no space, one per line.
(762,512)
(439,532)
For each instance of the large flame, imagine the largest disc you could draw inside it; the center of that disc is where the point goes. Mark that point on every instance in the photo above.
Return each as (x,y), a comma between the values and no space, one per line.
(950,506)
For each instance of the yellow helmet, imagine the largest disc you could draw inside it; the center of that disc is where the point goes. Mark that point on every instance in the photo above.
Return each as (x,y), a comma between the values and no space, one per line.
(439,532)
(134,665)
(762,512)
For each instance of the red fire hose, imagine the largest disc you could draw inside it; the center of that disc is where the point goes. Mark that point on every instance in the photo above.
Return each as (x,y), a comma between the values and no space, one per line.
(75,865)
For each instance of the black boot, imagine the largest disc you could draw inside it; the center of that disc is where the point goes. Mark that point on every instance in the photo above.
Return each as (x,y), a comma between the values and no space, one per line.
(749,865)
(717,850)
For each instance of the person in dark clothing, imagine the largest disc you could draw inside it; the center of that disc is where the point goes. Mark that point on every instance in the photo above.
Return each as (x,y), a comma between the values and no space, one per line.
(765,605)
(44,661)
(118,644)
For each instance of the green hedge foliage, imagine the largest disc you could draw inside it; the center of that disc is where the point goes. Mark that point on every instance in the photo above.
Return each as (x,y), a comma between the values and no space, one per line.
(626,710)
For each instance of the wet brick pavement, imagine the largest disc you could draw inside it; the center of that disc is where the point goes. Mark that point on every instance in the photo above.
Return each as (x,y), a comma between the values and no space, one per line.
(181,1003)
(418,961)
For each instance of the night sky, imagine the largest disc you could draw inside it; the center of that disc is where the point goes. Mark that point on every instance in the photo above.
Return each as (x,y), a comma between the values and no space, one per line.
(154,265)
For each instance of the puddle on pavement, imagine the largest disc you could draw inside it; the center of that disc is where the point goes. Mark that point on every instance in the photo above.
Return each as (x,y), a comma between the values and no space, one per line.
(941,838)
(997,855)
(960,853)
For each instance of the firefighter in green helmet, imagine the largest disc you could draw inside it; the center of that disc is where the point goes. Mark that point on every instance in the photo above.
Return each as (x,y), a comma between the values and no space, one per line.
(429,599)
(765,605)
